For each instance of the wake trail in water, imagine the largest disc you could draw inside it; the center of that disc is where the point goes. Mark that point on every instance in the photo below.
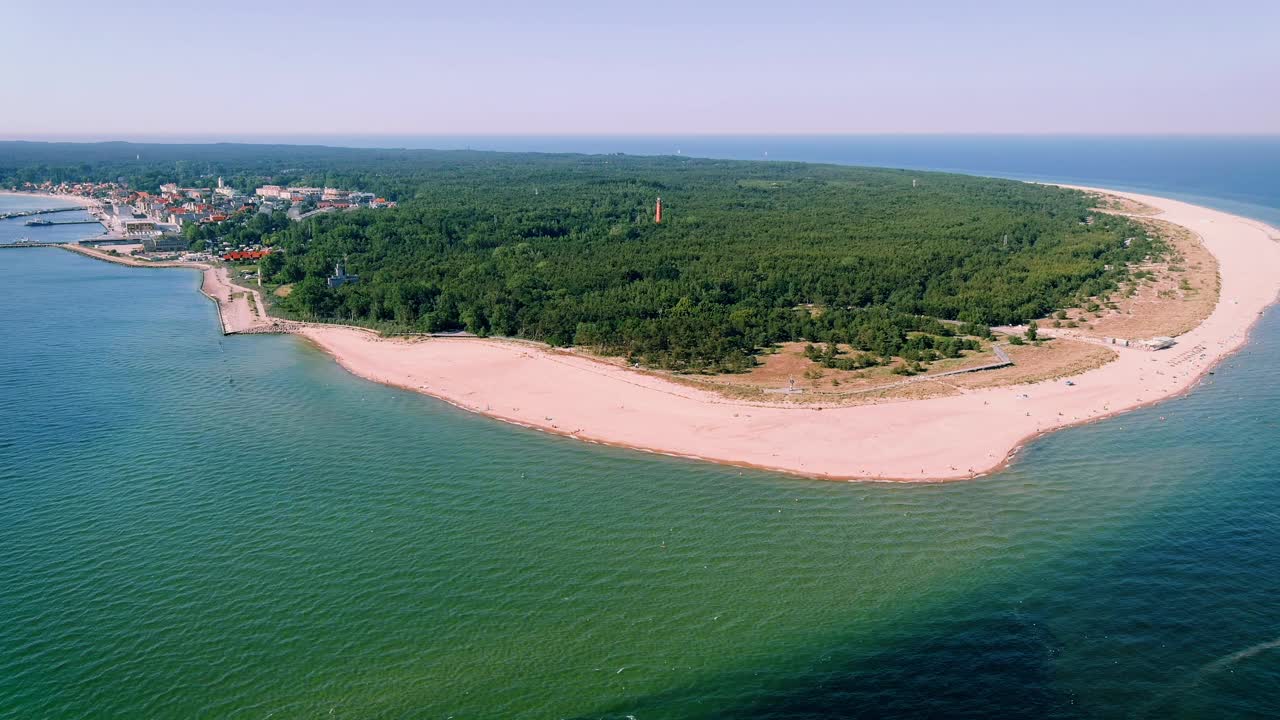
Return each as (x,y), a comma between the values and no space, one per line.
(1210,669)
(1226,661)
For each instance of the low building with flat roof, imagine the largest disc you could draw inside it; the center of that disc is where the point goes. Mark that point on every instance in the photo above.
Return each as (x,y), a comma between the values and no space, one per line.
(165,243)
(140,228)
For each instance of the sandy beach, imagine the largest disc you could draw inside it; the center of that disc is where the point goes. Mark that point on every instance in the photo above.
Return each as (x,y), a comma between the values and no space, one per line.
(76,199)
(943,438)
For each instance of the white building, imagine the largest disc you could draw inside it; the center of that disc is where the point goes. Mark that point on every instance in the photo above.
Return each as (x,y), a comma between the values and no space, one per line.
(140,228)
(306,193)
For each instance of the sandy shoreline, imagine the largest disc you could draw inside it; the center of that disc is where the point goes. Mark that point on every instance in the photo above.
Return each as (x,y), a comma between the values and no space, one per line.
(935,439)
(76,199)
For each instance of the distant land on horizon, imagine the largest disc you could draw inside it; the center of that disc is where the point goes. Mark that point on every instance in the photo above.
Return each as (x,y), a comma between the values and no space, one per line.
(1235,167)
(569,250)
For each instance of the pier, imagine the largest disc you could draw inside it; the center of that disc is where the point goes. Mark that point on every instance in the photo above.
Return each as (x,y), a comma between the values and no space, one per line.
(47,211)
(47,223)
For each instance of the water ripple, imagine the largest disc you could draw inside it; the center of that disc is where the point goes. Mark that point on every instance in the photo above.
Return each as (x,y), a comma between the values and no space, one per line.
(193,525)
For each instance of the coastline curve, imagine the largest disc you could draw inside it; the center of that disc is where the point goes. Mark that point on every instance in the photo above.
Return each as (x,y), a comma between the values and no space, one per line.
(922,440)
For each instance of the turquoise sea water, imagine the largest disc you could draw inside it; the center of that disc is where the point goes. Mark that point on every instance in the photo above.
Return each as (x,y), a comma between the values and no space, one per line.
(199,526)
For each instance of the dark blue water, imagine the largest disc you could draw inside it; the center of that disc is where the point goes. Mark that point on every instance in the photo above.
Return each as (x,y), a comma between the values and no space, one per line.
(198,526)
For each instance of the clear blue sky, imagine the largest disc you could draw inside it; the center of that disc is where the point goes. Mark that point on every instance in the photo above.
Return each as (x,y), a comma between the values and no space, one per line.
(90,68)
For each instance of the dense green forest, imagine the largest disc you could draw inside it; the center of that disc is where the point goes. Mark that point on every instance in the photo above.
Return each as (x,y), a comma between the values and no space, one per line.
(564,249)
(145,166)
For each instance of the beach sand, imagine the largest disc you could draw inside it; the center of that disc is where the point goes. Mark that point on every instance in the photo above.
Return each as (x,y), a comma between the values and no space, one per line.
(944,438)
(76,199)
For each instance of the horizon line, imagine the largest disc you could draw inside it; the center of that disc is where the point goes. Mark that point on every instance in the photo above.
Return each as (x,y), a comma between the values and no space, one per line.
(91,137)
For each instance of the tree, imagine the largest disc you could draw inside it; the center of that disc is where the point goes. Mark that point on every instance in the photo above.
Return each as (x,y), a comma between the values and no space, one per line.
(271,264)
(1033,330)
(313,297)
(761,253)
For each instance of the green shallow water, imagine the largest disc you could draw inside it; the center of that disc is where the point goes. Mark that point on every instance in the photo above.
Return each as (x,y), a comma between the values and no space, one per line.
(199,526)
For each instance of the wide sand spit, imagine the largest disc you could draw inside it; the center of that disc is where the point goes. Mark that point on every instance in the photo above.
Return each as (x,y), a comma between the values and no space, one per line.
(946,438)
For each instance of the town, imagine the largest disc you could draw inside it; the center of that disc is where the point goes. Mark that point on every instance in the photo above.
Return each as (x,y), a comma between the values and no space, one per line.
(160,222)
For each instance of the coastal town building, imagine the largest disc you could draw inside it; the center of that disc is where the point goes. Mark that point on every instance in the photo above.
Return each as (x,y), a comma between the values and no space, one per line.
(327,198)
(225,191)
(305,194)
(161,216)
(140,228)
(340,277)
(179,217)
(95,190)
(245,255)
(165,243)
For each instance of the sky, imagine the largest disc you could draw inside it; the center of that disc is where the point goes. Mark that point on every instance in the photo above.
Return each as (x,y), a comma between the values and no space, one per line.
(94,70)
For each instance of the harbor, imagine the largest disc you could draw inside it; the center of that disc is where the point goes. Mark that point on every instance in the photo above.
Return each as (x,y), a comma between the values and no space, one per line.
(43,211)
(50,226)
(49,219)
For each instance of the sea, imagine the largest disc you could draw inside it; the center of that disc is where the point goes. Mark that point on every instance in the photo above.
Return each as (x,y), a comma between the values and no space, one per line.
(196,526)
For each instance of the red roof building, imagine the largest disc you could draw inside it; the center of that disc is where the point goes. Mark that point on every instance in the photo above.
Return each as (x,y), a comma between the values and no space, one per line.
(240,255)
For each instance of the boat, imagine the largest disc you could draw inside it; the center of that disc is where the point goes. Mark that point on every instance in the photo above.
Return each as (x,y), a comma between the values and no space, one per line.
(25,241)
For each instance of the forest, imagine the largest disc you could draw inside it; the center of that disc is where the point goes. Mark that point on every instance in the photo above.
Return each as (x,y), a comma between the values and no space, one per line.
(565,249)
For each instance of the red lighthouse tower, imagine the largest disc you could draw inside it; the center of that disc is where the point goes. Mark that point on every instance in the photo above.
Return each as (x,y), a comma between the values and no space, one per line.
(657,211)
